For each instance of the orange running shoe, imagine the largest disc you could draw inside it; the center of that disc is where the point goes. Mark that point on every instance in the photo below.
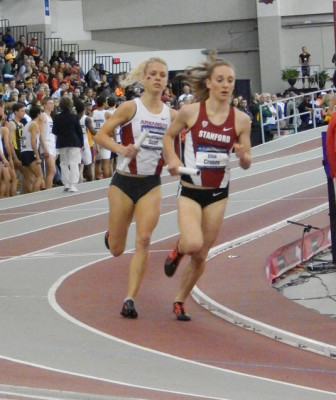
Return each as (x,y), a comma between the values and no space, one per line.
(179,311)
(172,261)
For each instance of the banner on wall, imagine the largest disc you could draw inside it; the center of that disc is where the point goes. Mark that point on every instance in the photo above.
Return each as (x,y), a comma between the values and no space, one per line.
(46,7)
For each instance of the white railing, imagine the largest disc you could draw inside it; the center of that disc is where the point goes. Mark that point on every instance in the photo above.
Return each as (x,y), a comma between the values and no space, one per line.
(315,115)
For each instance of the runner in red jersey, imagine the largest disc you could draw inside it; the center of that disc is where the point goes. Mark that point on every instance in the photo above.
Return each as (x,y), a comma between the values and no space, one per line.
(214,130)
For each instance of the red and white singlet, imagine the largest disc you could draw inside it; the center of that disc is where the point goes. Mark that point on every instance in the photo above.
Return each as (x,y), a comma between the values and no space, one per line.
(208,147)
(149,160)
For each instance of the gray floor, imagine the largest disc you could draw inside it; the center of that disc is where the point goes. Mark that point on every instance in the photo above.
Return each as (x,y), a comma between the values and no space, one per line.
(313,286)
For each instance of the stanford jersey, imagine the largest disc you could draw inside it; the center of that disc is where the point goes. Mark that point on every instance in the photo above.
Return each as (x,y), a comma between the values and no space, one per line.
(149,160)
(208,147)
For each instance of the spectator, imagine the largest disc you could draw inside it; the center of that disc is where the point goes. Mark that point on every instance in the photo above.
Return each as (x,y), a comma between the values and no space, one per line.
(304,60)
(244,107)
(32,49)
(2,61)
(270,121)
(235,102)
(69,141)
(20,47)
(104,89)
(8,70)
(8,38)
(262,112)
(93,76)
(58,93)
(186,96)
(24,69)
(305,109)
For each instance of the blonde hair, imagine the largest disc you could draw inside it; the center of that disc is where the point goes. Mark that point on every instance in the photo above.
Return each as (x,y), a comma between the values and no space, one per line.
(135,75)
(196,77)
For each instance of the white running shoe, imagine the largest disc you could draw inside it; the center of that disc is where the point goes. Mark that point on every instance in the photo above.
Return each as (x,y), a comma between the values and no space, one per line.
(73,189)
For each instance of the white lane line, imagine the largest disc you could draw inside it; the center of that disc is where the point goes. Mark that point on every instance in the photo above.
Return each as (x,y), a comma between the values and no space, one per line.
(23,200)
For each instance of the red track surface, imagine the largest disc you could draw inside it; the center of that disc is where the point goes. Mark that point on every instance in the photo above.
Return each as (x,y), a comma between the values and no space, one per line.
(94,295)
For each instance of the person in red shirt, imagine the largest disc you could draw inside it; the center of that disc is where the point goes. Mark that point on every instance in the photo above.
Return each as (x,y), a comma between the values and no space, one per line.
(32,49)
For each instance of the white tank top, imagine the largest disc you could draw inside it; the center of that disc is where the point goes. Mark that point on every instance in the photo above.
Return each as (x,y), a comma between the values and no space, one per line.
(83,126)
(98,118)
(26,138)
(48,136)
(149,160)
(118,138)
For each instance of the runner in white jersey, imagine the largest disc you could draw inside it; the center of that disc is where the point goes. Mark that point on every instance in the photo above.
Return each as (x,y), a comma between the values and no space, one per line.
(30,141)
(103,156)
(137,191)
(86,155)
(48,151)
(111,102)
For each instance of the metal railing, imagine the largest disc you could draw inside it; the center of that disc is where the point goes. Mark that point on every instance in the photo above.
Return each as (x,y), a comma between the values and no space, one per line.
(314,114)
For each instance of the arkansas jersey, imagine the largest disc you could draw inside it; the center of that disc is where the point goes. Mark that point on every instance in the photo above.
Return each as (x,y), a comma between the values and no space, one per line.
(149,160)
(208,147)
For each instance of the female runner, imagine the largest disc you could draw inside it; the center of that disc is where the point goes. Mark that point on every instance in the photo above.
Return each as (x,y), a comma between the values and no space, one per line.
(214,129)
(135,190)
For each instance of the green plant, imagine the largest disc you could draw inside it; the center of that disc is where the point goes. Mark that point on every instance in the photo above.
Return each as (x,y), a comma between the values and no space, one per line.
(321,78)
(289,74)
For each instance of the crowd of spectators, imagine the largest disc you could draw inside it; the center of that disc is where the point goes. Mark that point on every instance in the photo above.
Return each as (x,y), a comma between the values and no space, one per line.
(284,112)
(32,88)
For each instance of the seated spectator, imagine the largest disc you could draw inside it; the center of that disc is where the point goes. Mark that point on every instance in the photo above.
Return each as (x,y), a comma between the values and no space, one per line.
(44,74)
(58,93)
(20,47)
(52,80)
(32,49)
(8,70)
(71,59)
(54,57)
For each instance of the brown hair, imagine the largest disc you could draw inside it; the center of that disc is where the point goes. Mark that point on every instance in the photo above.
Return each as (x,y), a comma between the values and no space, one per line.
(196,77)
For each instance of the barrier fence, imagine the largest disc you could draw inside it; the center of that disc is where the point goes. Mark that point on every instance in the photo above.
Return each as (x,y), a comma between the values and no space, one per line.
(292,121)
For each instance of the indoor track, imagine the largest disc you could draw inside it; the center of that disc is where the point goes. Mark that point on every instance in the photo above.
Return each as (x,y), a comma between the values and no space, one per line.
(62,336)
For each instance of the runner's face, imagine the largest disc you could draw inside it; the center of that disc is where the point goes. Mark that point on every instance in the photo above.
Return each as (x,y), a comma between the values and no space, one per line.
(156,76)
(21,113)
(221,82)
(49,105)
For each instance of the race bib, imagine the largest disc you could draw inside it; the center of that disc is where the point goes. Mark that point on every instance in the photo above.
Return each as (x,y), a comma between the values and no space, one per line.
(208,157)
(153,142)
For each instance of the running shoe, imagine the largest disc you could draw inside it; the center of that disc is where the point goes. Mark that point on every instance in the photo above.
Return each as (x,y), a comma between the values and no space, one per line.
(179,311)
(128,310)
(107,234)
(172,261)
